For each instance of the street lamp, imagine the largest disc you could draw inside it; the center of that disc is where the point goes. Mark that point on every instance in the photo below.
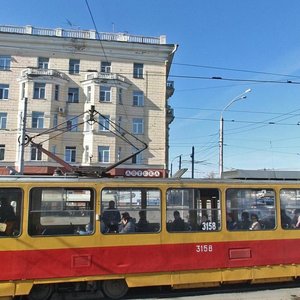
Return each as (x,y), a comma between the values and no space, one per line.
(221,133)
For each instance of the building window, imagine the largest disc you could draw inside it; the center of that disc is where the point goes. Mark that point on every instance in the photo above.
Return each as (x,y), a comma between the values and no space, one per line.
(120,96)
(73,95)
(72,124)
(4,89)
(37,119)
(39,90)
(88,94)
(56,92)
(103,154)
(138,126)
(43,62)
(138,98)
(2,152)
(35,153)
(138,70)
(138,158)
(70,154)
(105,93)
(55,120)
(105,67)
(23,90)
(3,119)
(5,61)
(74,65)
(104,123)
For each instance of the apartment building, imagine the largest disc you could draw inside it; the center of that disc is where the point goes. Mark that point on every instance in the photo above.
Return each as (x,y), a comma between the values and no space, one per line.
(90,99)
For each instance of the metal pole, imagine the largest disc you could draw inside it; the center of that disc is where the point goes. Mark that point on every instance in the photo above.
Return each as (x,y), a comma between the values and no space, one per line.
(193,160)
(221,144)
(23,117)
(221,133)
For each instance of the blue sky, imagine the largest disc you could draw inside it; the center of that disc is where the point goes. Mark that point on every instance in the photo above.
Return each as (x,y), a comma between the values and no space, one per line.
(249,44)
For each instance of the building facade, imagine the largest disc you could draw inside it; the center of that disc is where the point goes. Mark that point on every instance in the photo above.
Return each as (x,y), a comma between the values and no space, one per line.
(91,99)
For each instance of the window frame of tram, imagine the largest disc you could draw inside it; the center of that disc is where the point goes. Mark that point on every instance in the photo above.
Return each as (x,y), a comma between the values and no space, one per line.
(142,204)
(61,211)
(290,208)
(250,209)
(199,210)
(11,201)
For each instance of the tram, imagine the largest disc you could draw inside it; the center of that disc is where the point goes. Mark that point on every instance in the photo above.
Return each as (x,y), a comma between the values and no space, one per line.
(185,233)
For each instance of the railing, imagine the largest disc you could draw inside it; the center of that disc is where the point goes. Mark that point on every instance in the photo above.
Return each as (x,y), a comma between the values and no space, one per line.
(42,72)
(102,75)
(83,34)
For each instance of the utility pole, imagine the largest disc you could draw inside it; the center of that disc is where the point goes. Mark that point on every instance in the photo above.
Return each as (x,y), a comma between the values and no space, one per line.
(23,116)
(193,160)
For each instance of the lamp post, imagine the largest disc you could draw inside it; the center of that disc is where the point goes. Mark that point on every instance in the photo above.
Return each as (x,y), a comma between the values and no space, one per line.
(221,133)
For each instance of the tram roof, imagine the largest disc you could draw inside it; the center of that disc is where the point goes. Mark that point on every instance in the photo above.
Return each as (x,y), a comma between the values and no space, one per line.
(261,175)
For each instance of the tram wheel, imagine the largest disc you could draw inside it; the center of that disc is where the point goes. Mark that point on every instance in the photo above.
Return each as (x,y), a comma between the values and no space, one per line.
(115,289)
(40,292)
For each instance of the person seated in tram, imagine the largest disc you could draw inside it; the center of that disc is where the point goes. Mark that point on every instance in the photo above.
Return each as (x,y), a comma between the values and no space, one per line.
(231,223)
(255,223)
(296,219)
(245,222)
(111,218)
(127,224)
(7,217)
(178,223)
(142,225)
(285,219)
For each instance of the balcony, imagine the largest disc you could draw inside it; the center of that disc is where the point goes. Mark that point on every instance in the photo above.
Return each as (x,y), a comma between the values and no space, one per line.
(110,78)
(48,73)
(170,89)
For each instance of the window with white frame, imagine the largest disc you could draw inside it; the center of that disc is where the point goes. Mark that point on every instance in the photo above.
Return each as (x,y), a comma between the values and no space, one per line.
(105,67)
(39,90)
(37,119)
(35,153)
(73,95)
(104,122)
(72,123)
(53,149)
(4,89)
(88,94)
(103,154)
(105,93)
(43,62)
(3,119)
(5,61)
(56,92)
(138,126)
(70,154)
(2,151)
(138,158)
(138,70)
(138,98)
(74,66)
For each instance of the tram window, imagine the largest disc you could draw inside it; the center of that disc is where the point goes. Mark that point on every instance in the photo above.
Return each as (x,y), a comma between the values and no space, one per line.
(130,210)
(250,209)
(192,210)
(61,211)
(10,212)
(290,208)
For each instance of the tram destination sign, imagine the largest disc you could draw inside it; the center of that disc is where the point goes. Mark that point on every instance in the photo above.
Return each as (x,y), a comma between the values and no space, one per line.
(143,173)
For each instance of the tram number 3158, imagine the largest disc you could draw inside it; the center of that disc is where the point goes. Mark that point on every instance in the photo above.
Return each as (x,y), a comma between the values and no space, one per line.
(204,248)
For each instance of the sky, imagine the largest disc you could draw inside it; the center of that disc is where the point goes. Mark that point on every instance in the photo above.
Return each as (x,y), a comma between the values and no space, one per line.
(246,44)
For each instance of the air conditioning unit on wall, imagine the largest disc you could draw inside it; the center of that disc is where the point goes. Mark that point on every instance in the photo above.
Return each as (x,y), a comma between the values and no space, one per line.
(61,110)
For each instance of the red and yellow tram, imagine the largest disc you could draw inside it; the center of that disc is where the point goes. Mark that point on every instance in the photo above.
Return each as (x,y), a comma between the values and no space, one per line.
(55,237)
